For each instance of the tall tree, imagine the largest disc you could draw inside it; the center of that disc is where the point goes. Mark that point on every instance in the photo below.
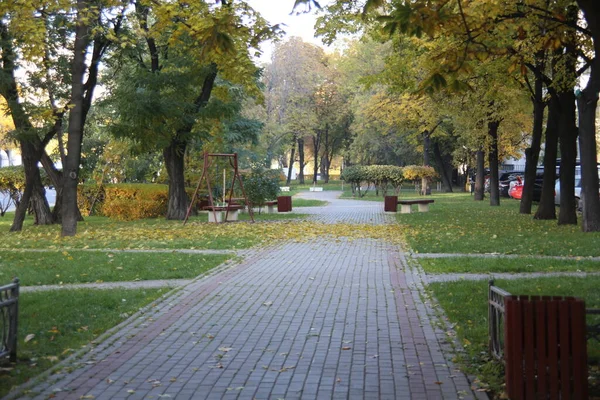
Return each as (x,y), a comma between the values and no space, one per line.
(293,76)
(181,58)
(587,102)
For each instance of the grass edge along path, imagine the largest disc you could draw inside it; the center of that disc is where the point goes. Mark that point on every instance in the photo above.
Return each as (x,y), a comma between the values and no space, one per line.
(85,317)
(55,267)
(464,304)
(491,265)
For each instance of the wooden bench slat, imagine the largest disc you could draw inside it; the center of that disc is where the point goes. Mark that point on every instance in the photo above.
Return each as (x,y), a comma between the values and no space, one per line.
(410,202)
(232,207)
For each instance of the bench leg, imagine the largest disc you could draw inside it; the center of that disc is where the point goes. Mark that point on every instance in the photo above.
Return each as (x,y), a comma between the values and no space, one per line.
(211,217)
(405,208)
(270,209)
(233,215)
(423,207)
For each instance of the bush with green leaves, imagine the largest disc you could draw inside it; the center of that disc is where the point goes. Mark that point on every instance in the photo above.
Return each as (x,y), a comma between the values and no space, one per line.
(261,185)
(354,176)
(382,177)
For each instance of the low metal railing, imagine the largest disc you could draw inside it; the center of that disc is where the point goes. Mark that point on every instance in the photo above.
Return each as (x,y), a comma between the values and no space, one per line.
(496,312)
(9,319)
(593,330)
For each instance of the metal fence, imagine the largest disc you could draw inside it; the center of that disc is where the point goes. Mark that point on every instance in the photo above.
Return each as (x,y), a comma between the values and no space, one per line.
(496,312)
(9,312)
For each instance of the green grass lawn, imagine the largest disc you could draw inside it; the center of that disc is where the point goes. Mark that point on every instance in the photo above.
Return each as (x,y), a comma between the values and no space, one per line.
(457,224)
(508,265)
(465,304)
(298,202)
(58,267)
(63,321)
(156,233)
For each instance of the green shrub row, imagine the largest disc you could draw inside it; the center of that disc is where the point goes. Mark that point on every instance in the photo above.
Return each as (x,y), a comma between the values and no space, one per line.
(384,177)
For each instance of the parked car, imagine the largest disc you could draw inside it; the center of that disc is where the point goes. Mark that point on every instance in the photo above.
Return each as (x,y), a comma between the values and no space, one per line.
(516,189)
(577,188)
(506,178)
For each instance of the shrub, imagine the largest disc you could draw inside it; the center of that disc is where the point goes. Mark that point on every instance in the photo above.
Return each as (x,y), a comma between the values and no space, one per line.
(414,172)
(135,201)
(381,176)
(354,176)
(90,198)
(384,177)
(261,185)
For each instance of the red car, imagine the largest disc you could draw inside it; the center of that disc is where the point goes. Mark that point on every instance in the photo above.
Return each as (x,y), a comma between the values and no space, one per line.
(516,190)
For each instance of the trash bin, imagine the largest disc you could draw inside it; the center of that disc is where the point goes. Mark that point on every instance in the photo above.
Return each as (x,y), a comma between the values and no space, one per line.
(390,204)
(284,203)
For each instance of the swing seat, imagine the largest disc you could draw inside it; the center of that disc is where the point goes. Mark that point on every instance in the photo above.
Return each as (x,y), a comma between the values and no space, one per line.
(231,210)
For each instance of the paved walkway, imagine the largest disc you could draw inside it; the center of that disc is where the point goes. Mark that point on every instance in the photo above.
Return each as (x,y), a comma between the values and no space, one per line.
(341,319)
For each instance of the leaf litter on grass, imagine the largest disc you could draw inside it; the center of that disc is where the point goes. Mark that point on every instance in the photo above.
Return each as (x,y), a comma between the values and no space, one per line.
(201,235)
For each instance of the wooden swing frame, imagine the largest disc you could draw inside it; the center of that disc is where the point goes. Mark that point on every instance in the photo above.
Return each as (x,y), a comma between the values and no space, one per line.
(209,160)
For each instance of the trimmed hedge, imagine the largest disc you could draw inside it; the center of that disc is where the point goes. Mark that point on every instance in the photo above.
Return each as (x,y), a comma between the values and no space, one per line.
(134,201)
(384,177)
(125,202)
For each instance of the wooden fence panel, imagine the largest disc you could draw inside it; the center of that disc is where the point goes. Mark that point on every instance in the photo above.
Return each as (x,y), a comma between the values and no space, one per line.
(545,348)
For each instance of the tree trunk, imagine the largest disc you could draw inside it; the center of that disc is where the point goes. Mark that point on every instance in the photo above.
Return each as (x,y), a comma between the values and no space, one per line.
(425,189)
(179,201)
(325,168)
(587,103)
(493,158)
(21,210)
(546,208)
(34,194)
(444,170)
(301,160)
(30,153)
(76,117)
(292,155)
(568,154)
(568,127)
(532,154)
(480,177)
(325,159)
(316,148)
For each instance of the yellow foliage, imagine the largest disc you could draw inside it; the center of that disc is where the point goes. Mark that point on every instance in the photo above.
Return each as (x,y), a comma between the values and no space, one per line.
(131,202)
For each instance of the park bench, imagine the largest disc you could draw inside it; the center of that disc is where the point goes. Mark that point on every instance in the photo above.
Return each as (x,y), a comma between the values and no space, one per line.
(406,205)
(231,210)
(284,188)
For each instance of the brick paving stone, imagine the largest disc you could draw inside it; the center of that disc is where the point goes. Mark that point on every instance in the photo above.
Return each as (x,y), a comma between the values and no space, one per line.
(321,319)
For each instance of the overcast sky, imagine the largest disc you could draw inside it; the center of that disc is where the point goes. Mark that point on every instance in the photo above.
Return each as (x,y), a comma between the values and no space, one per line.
(278,12)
